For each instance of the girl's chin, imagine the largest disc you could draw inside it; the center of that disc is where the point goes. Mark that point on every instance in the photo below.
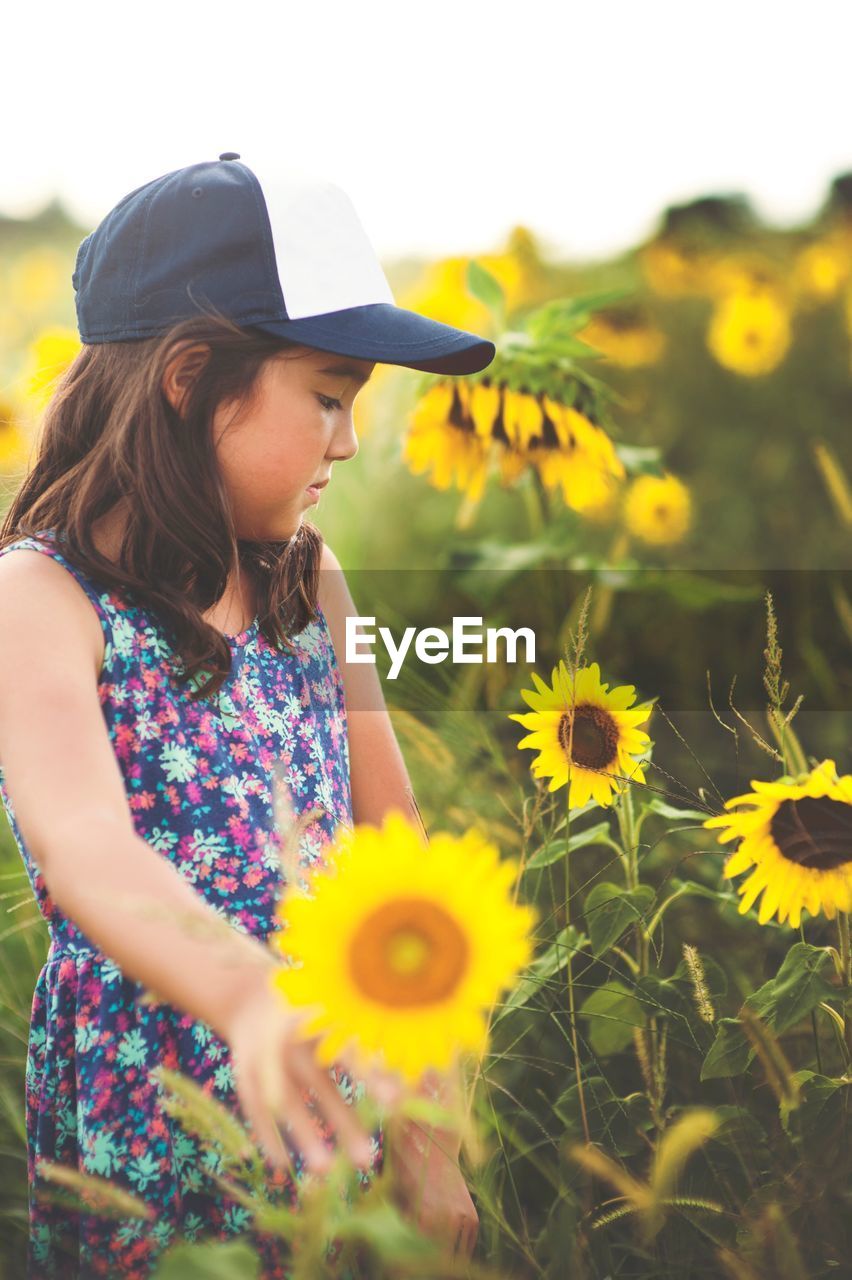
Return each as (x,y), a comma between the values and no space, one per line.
(278,532)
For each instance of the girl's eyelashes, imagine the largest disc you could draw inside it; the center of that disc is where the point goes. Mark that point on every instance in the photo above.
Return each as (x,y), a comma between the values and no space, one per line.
(328,402)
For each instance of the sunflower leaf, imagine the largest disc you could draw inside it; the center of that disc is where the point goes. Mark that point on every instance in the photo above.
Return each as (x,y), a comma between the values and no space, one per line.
(640,458)
(613,1012)
(487,289)
(797,988)
(611,909)
(614,1122)
(657,805)
(697,591)
(730,1053)
(817,1124)
(556,849)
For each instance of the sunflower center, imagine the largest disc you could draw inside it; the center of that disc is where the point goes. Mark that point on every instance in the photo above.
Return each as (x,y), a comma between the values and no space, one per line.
(814,832)
(408,952)
(594,743)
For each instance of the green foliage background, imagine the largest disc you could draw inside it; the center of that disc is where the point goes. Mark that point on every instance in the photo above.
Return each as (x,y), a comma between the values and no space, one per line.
(674,623)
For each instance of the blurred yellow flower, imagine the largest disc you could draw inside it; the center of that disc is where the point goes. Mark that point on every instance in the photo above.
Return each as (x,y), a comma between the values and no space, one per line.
(404,948)
(820,269)
(586,734)
(749,333)
(624,337)
(671,270)
(657,509)
(602,508)
(48,357)
(14,442)
(796,838)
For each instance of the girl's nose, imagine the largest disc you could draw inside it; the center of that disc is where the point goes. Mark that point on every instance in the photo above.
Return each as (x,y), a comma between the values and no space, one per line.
(346,441)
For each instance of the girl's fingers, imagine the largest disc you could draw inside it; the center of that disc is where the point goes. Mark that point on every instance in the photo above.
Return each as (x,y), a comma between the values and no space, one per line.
(259,1116)
(298,1119)
(339,1114)
(280,1091)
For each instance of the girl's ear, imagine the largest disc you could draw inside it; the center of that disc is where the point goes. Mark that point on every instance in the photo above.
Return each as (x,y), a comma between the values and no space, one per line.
(181,371)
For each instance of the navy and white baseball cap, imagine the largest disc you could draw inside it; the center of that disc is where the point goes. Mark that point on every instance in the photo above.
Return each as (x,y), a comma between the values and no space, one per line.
(282,251)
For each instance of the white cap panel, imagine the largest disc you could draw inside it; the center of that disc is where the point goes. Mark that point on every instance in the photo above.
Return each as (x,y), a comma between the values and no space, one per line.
(325,261)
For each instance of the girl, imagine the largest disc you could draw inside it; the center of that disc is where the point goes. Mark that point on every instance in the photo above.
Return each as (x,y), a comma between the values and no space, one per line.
(168,642)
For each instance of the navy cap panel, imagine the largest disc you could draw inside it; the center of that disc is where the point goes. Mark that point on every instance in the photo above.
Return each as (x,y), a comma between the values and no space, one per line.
(152,268)
(105,264)
(229,270)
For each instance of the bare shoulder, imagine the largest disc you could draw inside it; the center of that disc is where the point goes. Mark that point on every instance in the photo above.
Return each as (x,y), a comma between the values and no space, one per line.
(331,591)
(43,606)
(328,560)
(58,759)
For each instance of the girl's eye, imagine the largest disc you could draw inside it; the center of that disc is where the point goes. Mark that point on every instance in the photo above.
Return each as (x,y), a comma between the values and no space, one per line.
(328,403)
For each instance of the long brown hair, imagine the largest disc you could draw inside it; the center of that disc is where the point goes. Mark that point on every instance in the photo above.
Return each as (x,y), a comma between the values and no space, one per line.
(110,434)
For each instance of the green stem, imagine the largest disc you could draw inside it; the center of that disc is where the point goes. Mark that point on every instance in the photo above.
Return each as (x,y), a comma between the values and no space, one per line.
(785,735)
(569,969)
(846,975)
(630,842)
(603,601)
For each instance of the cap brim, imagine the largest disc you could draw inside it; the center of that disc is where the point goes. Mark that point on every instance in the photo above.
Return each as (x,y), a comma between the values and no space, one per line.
(389,334)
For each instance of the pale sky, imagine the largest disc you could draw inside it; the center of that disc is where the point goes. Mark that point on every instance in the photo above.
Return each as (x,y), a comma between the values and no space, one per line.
(446,122)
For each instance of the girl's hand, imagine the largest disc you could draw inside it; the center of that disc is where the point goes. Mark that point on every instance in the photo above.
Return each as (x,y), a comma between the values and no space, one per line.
(433,1192)
(273,1062)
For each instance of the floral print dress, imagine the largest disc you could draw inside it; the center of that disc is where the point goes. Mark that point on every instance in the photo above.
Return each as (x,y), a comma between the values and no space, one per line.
(199,783)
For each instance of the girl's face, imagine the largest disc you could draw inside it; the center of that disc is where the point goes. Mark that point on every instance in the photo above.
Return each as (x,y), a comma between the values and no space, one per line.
(299,425)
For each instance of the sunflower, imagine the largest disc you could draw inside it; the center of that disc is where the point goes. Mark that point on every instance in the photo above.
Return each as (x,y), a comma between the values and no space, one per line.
(404,948)
(798,838)
(657,509)
(597,753)
(458,428)
(442,440)
(750,331)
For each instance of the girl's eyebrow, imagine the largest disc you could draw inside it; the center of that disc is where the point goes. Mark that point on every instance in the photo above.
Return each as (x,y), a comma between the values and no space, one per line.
(347,371)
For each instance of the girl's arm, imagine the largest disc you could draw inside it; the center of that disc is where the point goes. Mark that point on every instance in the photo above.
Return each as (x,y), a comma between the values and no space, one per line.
(379,778)
(380,782)
(70,803)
